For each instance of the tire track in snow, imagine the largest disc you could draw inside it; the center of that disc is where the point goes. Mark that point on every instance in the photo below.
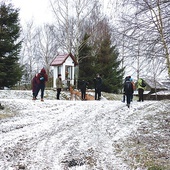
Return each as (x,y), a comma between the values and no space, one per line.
(66,129)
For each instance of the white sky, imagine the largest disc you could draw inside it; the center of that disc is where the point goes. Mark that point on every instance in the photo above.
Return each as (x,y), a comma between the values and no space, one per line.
(37,10)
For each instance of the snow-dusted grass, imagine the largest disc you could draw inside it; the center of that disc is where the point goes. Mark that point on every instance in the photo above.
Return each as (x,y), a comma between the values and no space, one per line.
(82,135)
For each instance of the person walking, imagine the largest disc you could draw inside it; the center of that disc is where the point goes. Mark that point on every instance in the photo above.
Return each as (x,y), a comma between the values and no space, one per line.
(34,84)
(42,79)
(98,87)
(124,96)
(141,87)
(128,89)
(59,85)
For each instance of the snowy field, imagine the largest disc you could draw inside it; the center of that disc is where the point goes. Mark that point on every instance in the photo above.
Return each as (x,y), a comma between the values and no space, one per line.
(82,135)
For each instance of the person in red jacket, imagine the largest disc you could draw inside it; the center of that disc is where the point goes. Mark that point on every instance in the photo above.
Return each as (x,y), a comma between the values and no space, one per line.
(34,84)
(42,79)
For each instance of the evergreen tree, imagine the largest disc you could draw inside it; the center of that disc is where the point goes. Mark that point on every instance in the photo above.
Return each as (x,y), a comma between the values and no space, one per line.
(86,68)
(108,65)
(10,70)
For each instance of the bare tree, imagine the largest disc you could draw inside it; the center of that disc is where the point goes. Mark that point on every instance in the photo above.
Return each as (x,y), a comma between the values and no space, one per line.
(70,19)
(151,20)
(63,22)
(28,56)
(47,45)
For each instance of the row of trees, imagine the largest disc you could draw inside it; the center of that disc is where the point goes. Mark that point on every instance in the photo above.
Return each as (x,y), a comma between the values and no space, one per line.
(139,29)
(73,34)
(139,32)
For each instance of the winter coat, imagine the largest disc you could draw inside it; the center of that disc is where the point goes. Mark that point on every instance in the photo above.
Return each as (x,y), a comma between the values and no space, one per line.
(128,88)
(59,83)
(42,74)
(98,83)
(34,83)
(139,84)
(83,85)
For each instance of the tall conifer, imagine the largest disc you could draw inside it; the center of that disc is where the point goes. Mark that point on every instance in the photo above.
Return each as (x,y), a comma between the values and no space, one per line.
(86,69)
(108,65)
(10,70)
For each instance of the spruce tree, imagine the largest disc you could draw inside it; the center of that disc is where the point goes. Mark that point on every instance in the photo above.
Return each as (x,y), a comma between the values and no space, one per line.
(86,69)
(108,66)
(10,70)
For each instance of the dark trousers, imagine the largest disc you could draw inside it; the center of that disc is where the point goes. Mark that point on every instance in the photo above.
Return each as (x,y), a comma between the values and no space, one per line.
(34,94)
(83,94)
(128,98)
(34,91)
(97,94)
(42,88)
(140,93)
(123,98)
(131,98)
(58,93)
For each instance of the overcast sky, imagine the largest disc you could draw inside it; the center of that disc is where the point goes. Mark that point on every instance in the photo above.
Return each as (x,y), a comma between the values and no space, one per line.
(38,10)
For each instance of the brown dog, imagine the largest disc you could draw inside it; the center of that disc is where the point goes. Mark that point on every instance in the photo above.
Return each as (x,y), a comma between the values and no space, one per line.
(74,93)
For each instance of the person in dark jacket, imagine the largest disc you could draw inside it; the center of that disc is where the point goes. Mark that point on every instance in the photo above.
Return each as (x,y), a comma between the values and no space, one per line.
(83,86)
(59,85)
(128,89)
(34,84)
(124,96)
(42,79)
(98,87)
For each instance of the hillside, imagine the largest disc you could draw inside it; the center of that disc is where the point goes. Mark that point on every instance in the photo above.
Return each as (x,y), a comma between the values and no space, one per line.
(82,135)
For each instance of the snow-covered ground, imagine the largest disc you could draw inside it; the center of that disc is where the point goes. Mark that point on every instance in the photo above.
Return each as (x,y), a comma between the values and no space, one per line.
(79,135)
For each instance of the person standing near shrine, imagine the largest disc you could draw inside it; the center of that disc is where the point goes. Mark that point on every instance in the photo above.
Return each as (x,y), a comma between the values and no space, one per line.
(59,85)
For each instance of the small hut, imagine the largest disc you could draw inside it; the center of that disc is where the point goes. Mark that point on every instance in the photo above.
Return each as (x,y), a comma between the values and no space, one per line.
(155,90)
(154,86)
(64,64)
